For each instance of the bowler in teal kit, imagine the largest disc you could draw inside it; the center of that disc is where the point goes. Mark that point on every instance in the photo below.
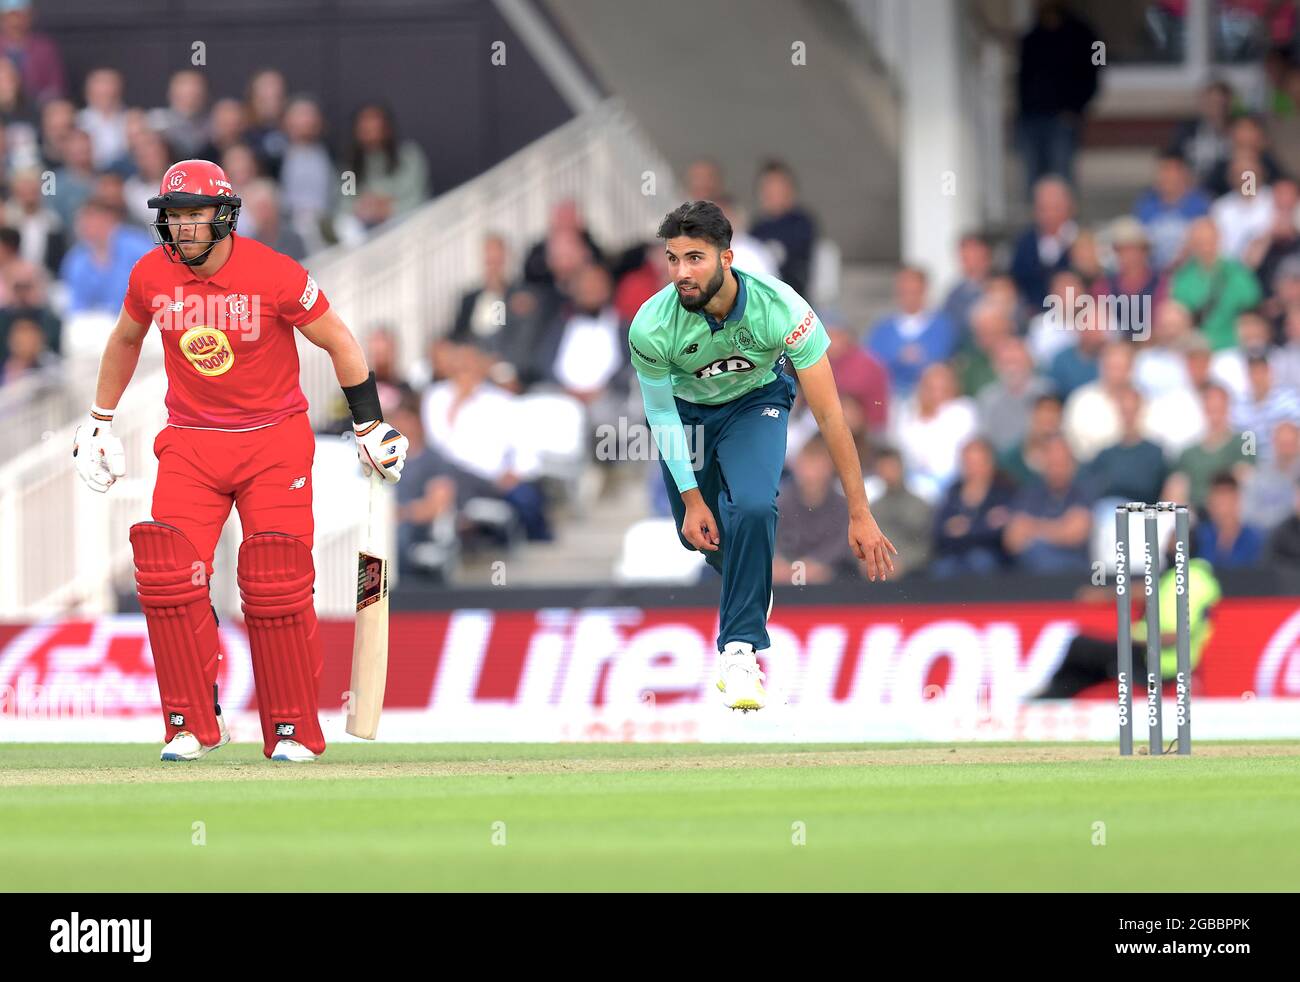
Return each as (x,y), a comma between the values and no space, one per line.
(715,351)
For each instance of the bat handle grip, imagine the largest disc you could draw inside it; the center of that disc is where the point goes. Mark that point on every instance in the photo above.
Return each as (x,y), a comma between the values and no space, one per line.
(372,545)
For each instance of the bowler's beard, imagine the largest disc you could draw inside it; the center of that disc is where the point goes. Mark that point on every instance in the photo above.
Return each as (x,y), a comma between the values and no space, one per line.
(706,293)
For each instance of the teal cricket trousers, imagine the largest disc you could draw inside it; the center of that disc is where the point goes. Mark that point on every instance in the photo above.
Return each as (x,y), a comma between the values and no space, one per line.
(740,469)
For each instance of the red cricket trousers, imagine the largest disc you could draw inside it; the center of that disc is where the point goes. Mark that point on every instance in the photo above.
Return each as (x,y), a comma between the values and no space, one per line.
(265,473)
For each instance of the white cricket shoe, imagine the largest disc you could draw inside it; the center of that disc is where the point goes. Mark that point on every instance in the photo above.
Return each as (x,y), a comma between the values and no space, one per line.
(741,680)
(292,750)
(185,745)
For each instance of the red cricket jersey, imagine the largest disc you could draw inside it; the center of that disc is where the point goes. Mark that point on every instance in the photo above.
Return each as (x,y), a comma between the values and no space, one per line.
(230,352)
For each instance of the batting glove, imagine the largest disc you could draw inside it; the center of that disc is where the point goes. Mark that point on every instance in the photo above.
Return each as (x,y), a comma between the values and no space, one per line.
(98,453)
(382,448)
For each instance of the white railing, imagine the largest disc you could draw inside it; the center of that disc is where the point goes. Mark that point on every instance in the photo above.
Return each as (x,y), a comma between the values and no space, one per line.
(64,549)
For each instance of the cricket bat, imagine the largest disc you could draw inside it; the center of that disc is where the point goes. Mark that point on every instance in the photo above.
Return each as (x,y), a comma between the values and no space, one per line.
(370,643)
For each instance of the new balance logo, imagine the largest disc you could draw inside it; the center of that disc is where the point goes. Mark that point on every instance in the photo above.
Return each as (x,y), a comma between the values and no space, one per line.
(295,485)
(176,719)
(284,729)
(690,349)
(772,411)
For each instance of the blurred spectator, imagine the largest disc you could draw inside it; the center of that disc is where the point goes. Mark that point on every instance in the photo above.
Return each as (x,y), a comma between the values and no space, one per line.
(812,517)
(908,340)
(104,117)
(1092,419)
(1174,417)
(1057,79)
(381,356)
(1247,149)
(1160,365)
(641,282)
(1203,141)
(426,502)
(1286,359)
(183,121)
(482,314)
(1079,364)
(930,428)
(308,178)
(26,300)
(1005,404)
(74,179)
(1135,281)
(39,227)
(18,117)
(97,268)
(968,524)
(975,259)
(227,126)
(1244,211)
(58,119)
(1223,539)
(590,344)
(1220,449)
(788,230)
(748,253)
(33,52)
(1285,297)
(1269,488)
(25,352)
(1051,520)
(1284,126)
(1284,543)
(857,373)
(704,181)
(1085,259)
(1265,406)
(1024,463)
(392,175)
(261,201)
(1280,239)
(10,243)
(241,165)
(1214,288)
(1167,209)
(907,515)
(1228,366)
(1044,248)
(1133,468)
(1053,329)
(152,157)
(265,102)
(471,423)
(565,220)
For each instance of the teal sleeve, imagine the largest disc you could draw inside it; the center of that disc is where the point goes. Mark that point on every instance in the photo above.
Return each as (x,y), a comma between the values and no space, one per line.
(666,425)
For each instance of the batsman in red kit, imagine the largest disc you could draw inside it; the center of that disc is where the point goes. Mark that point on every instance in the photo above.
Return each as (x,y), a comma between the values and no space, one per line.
(237,434)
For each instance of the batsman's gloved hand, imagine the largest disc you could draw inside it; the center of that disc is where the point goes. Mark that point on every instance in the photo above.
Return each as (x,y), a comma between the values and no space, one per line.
(98,453)
(381,448)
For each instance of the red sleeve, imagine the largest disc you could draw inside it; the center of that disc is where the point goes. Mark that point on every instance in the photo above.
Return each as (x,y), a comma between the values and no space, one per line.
(135,301)
(301,301)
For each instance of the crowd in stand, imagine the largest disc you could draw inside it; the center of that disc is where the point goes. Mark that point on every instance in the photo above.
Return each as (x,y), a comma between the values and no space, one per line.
(78,165)
(1154,357)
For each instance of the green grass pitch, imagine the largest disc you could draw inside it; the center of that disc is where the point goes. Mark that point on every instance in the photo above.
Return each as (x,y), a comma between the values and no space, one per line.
(639,817)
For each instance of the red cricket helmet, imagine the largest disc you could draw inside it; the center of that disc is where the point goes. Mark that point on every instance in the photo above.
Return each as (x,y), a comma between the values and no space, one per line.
(191,184)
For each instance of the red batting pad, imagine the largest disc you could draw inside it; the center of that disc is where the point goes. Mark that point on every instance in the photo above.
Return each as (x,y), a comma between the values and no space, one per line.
(275,582)
(182,628)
